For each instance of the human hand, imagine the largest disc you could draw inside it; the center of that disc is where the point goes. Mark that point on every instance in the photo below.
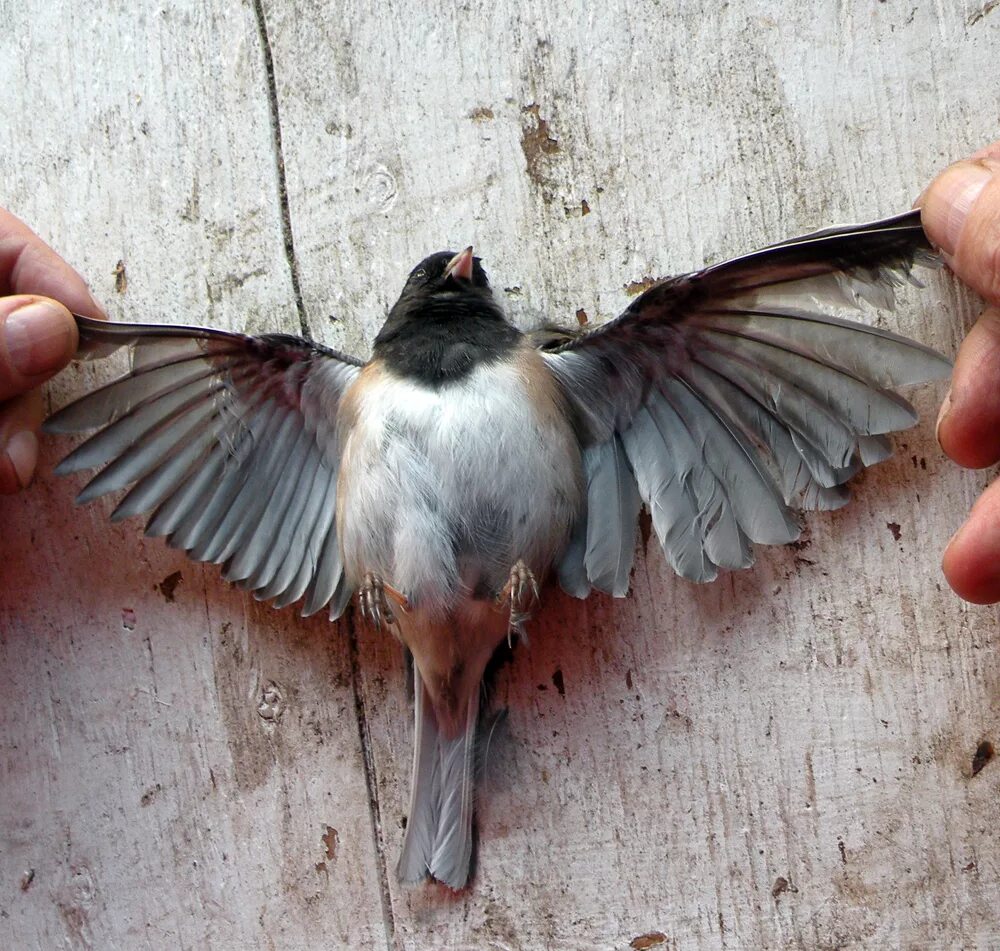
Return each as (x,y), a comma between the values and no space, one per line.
(38,337)
(960,211)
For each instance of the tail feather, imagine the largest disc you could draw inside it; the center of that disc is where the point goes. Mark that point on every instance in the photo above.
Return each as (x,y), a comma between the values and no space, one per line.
(438,840)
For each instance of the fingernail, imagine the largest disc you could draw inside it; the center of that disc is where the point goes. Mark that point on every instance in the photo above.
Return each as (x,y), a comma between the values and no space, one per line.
(37,338)
(948,547)
(945,409)
(989,151)
(949,200)
(22,450)
(98,306)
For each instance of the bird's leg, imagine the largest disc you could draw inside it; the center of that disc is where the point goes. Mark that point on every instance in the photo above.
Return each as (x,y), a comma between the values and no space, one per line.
(521,593)
(373,599)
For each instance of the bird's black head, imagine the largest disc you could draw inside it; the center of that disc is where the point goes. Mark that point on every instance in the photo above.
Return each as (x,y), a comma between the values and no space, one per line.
(447,271)
(446,320)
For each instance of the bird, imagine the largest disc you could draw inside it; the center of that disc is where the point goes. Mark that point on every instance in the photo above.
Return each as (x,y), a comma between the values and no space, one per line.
(440,482)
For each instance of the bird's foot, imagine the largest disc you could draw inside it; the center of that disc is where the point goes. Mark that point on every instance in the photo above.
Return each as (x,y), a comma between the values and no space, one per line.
(373,598)
(521,594)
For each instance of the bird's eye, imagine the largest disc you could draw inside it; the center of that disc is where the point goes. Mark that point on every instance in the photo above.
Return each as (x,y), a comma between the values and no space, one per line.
(419,275)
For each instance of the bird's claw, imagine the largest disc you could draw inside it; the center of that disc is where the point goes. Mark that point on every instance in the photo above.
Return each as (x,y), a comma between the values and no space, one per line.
(521,593)
(373,599)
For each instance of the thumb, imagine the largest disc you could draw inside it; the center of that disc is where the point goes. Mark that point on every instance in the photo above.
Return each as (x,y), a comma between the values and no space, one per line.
(960,211)
(38,336)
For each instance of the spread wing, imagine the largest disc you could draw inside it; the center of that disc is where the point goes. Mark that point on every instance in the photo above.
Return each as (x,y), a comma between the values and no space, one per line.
(230,442)
(733,395)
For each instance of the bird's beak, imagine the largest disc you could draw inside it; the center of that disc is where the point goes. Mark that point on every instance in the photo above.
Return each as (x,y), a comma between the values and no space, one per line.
(460,266)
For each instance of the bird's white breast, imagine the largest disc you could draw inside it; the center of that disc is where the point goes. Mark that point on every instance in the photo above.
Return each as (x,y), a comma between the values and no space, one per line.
(443,488)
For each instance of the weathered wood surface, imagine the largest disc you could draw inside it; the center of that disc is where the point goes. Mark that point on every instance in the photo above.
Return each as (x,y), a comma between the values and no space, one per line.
(783,759)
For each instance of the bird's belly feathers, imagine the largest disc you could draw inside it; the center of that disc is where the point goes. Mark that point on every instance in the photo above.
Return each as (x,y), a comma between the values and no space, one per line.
(443,489)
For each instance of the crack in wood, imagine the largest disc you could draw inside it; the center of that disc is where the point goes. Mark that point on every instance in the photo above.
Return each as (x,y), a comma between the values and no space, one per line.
(279,165)
(368,764)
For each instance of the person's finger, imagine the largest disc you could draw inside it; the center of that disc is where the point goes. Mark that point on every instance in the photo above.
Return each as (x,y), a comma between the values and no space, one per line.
(19,419)
(971,562)
(960,211)
(29,266)
(987,151)
(37,337)
(969,422)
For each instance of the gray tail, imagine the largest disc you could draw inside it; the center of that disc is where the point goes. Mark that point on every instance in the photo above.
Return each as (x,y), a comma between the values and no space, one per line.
(438,840)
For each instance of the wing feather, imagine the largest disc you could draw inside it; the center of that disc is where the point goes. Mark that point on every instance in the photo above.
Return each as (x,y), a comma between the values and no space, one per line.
(665,484)
(601,550)
(743,390)
(288,542)
(230,441)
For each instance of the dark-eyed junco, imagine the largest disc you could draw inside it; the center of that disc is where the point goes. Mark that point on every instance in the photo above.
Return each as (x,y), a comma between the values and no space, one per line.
(443,479)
